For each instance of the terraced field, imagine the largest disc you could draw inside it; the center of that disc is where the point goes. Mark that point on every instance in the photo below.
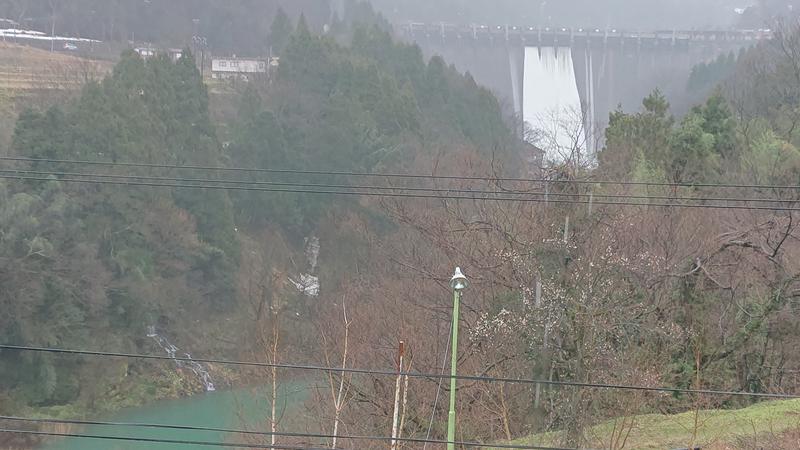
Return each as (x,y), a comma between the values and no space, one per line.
(34,78)
(25,69)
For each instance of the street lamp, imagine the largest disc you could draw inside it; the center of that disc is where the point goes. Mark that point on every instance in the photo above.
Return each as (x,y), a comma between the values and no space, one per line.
(458,283)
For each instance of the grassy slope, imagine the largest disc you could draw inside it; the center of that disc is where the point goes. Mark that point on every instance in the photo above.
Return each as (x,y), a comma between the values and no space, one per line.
(25,68)
(717,429)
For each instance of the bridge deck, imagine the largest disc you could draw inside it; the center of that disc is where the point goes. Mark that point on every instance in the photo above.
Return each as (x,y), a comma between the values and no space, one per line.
(567,36)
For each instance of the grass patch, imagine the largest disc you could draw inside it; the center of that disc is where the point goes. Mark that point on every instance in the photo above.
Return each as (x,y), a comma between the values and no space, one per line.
(716,429)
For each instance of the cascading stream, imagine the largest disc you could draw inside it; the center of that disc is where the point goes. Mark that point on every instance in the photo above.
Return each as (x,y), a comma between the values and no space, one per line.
(197,369)
(308,283)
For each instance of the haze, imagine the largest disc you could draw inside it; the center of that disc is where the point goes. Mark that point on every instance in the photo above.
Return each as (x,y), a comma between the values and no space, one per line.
(399,224)
(629,14)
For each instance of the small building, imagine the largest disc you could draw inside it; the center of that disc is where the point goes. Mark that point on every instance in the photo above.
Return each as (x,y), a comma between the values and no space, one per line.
(237,68)
(175,54)
(146,52)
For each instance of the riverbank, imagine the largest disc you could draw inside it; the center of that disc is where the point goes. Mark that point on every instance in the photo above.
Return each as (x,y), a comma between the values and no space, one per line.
(162,384)
(244,408)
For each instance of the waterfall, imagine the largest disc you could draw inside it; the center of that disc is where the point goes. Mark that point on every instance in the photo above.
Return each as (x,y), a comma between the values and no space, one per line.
(197,369)
(552,104)
(308,283)
(312,251)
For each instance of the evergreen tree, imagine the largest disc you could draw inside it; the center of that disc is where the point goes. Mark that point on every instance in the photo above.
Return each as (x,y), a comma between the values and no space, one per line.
(719,122)
(280,32)
(151,252)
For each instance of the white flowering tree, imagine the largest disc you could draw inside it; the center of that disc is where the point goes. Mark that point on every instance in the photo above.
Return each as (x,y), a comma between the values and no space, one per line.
(584,322)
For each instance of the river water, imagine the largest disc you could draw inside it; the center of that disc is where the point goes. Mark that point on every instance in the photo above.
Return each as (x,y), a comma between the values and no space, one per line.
(241,408)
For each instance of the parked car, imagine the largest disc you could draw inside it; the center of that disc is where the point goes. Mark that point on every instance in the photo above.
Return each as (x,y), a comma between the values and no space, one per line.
(70,47)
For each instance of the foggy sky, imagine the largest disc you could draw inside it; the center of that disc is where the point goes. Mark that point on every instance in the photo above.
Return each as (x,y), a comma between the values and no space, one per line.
(623,14)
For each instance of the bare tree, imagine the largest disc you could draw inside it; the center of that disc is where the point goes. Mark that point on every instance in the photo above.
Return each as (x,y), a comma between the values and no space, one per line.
(339,394)
(564,137)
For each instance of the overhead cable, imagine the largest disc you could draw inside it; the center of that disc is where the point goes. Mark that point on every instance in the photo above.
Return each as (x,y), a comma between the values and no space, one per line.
(542,194)
(394,373)
(158,441)
(399,194)
(393,175)
(267,433)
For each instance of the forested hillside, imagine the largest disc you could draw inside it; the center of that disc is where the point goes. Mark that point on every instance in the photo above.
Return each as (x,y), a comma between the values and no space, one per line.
(670,262)
(88,264)
(239,26)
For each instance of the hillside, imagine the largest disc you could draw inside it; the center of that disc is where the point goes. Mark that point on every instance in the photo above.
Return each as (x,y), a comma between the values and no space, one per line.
(320,223)
(25,69)
(212,271)
(771,425)
(31,77)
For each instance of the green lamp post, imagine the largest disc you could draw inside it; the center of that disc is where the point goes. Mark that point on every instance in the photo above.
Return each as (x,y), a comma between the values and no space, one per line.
(458,283)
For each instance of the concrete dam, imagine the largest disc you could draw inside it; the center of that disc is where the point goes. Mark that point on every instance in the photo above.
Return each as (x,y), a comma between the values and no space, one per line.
(563,83)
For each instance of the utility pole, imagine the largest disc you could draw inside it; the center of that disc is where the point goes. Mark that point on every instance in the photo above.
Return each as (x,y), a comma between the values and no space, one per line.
(269,66)
(458,283)
(538,304)
(196,28)
(199,46)
(401,352)
(53,32)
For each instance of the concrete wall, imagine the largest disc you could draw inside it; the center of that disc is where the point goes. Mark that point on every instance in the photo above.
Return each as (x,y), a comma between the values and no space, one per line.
(623,71)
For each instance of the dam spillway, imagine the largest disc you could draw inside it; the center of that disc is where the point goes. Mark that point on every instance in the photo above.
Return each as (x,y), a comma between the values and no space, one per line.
(551,103)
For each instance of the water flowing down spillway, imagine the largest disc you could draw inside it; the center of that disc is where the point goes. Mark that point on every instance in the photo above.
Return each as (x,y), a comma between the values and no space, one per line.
(552,104)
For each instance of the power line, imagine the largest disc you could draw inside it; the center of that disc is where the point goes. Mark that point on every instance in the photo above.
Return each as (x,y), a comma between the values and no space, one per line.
(394,374)
(395,175)
(399,188)
(267,433)
(402,195)
(157,441)
(263,183)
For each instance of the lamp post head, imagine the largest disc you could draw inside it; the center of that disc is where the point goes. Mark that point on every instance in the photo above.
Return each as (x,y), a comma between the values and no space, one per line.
(459,281)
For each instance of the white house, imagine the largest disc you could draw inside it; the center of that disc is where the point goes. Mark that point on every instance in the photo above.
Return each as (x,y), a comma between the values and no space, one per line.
(149,52)
(226,68)
(175,54)
(146,52)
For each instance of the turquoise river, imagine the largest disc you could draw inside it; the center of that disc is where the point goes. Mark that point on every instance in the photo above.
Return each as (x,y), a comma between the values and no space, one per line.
(244,408)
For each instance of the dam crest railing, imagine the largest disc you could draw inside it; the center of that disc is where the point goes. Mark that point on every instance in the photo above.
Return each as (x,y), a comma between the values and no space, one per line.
(532,35)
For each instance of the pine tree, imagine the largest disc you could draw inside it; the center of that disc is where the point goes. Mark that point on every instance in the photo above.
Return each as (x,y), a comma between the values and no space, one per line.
(280,31)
